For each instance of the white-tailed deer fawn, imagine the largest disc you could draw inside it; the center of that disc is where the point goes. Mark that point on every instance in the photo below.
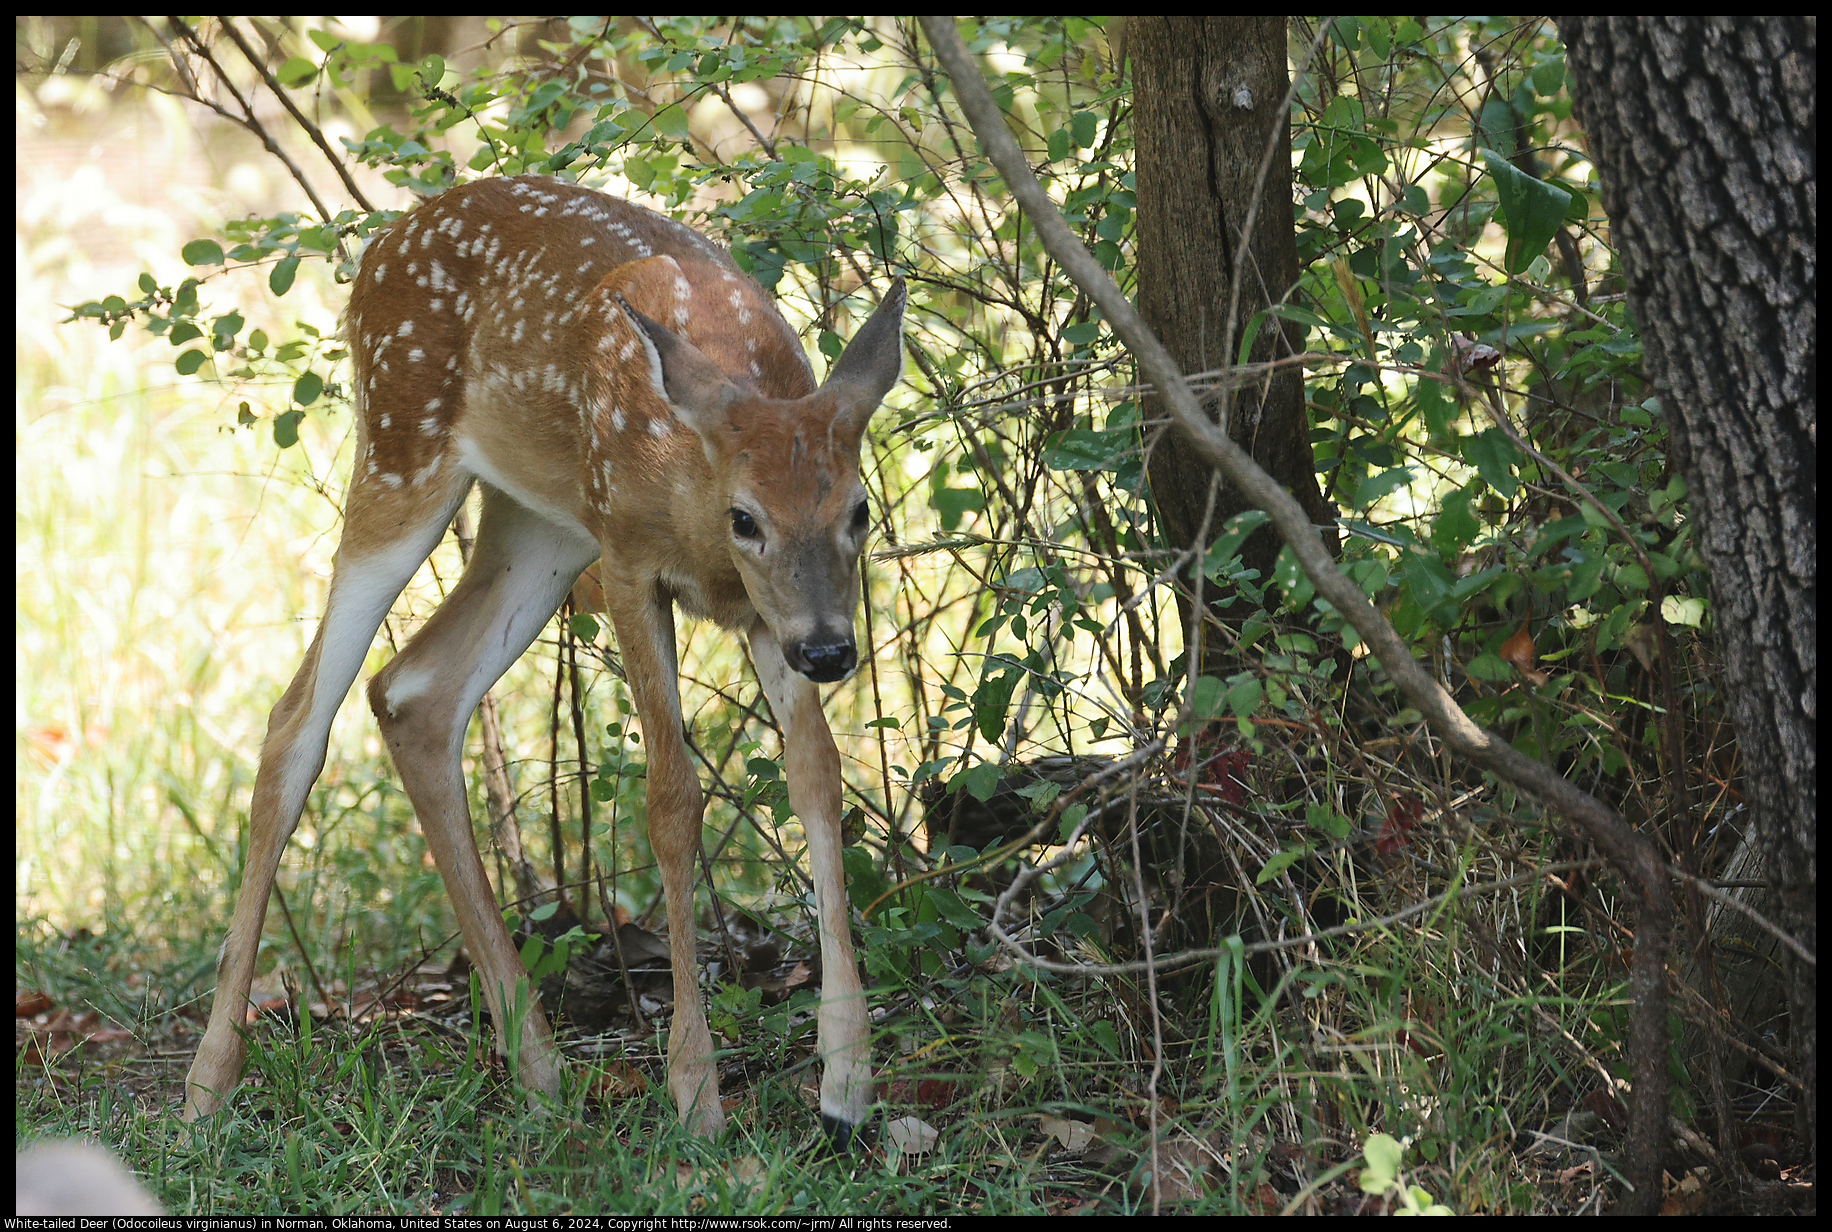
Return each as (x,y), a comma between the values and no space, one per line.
(623,394)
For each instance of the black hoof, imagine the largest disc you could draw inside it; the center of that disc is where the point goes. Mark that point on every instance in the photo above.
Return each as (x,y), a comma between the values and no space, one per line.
(843,1136)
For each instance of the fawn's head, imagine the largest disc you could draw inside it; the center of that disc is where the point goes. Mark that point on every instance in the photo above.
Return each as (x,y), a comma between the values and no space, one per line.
(788,470)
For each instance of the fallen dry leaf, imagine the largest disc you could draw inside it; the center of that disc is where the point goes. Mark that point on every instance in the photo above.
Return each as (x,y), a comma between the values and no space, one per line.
(1073,1135)
(617,1080)
(911,1136)
(1188,1168)
(1684,1197)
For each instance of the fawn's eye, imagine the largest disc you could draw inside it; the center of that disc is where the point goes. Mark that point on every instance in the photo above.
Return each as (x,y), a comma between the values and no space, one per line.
(744,526)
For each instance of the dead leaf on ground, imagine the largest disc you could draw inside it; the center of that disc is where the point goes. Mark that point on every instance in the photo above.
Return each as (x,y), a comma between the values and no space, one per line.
(935,1092)
(911,1136)
(1187,1168)
(743,1171)
(1073,1135)
(1685,1196)
(617,1080)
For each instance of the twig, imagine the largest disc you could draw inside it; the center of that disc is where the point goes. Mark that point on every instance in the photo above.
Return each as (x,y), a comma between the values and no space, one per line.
(311,129)
(1717,895)
(247,119)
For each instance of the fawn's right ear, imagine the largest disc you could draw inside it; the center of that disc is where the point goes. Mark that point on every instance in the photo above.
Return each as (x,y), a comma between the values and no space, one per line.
(694,388)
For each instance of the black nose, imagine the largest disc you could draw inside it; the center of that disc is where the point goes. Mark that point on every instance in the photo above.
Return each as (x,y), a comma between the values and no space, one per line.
(823,662)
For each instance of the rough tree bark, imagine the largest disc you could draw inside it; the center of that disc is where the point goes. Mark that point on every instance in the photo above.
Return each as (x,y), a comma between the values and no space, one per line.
(1208,103)
(1703,133)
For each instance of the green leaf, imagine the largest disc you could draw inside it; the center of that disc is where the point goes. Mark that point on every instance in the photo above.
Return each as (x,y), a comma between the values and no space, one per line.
(991,701)
(1680,611)
(949,906)
(202,252)
(1245,697)
(280,278)
(1383,1154)
(1549,78)
(1532,210)
(978,781)
(1248,337)
(1456,527)
(1427,580)
(1494,457)
(1279,862)
(1323,817)
(1376,486)
(1488,667)
(1040,794)
(189,362)
(1206,696)
(224,329)
(286,428)
(1292,312)
(671,121)
(1585,577)
(1216,559)
(1087,449)
(307,388)
(1609,633)
(1028,580)
(297,71)
(953,503)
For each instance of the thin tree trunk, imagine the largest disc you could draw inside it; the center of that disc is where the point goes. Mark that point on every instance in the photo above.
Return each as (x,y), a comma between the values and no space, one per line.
(1215,246)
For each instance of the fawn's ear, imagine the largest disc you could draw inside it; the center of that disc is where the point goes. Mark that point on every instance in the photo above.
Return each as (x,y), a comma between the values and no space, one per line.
(871,363)
(694,388)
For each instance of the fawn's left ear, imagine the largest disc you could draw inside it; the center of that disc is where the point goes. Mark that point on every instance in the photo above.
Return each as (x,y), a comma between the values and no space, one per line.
(871,363)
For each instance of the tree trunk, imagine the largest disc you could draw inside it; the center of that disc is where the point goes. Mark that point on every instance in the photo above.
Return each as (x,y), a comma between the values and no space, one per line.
(1703,133)
(1208,105)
